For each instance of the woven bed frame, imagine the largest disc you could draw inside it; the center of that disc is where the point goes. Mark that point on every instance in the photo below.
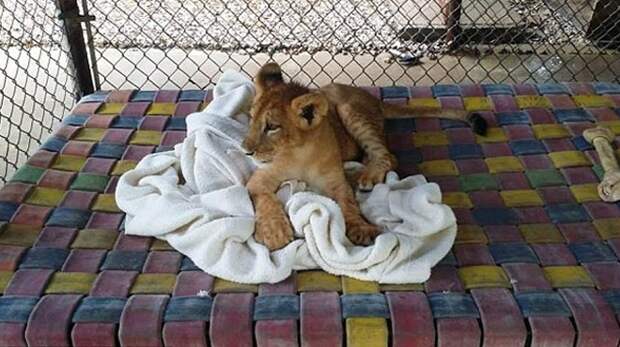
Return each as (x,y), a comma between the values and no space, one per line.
(535,260)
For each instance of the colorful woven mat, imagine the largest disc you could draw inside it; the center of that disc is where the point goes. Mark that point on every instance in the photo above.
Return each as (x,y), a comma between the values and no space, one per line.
(535,261)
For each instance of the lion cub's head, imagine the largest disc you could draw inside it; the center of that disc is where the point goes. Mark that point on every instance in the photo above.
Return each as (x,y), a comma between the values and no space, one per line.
(283,115)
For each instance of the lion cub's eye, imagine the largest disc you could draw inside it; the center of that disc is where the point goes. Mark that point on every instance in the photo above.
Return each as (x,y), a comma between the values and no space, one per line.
(271,128)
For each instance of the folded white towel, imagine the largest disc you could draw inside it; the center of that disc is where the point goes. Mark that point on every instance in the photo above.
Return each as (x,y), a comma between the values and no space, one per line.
(194,197)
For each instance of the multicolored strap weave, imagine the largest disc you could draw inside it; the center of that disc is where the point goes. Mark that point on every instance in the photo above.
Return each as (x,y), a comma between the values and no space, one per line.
(535,261)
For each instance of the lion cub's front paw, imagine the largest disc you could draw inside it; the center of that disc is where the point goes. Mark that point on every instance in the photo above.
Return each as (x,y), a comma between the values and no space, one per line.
(273,231)
(362,233)
(369,177)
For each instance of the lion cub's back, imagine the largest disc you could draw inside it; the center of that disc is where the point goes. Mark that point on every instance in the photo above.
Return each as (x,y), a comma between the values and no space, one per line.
(342,93)
(368,108)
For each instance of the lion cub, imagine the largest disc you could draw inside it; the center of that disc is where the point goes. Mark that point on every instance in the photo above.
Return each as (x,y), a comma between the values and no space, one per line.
(303,134)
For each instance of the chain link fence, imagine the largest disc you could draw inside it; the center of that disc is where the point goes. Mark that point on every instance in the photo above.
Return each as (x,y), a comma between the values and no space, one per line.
(153,44)
(187,43)
(36,78)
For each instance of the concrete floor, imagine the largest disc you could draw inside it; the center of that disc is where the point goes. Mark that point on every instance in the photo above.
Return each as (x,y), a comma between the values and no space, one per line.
(176,68)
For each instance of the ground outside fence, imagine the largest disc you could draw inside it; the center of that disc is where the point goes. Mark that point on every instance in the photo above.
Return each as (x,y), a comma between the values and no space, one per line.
(535,260)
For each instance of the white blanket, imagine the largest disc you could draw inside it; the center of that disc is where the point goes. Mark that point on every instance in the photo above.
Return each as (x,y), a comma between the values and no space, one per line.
(195,198)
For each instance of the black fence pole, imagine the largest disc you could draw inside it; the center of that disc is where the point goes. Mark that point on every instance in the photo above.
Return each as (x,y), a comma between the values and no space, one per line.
(69,14)
(604,27)
(452,12)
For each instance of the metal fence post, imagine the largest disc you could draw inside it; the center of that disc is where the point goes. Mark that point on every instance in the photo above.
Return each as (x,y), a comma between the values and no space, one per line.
(453,22)
(72,20)
(604,28)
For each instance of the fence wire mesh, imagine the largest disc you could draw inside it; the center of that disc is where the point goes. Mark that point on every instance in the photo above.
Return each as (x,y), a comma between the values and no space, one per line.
(36,80)
(188,43)
(157,44)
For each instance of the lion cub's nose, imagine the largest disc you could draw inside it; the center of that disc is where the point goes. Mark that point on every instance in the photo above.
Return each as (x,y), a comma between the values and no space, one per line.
(246,150)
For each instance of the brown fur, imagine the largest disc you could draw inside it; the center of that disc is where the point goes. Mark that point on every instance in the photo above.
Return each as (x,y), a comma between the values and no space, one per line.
(307,135)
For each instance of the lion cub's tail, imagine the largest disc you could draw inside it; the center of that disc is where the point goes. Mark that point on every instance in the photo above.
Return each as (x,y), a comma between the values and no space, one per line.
(475,120)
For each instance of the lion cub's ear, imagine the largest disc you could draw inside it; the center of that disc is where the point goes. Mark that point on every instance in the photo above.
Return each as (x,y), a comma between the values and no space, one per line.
(309,110)
(268,76)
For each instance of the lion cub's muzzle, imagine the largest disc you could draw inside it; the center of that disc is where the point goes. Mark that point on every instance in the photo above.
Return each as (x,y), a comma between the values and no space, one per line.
(248,148)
